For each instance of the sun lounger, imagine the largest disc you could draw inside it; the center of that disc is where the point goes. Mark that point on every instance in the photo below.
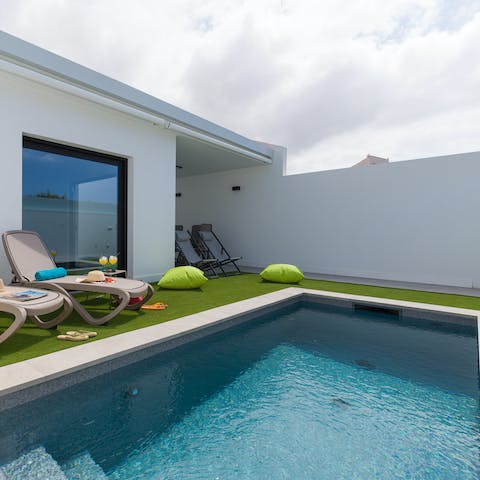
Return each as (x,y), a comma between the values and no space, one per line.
(21,310)
(211,244)
(189,256)
(27,255)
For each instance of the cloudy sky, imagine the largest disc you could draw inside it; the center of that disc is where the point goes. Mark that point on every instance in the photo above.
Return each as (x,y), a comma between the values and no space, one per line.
(332,80)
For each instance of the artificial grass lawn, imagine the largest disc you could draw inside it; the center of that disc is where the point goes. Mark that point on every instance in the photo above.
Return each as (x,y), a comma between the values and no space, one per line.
(31,341)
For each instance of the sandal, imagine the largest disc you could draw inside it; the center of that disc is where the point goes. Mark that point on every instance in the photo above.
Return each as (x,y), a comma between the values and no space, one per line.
(82,332)
(155,306)
(73,338)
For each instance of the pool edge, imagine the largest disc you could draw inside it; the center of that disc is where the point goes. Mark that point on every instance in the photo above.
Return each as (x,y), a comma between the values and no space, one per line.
(20,377)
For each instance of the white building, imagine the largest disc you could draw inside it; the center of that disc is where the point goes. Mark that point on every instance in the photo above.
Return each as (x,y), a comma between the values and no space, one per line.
(48,98)
(371,160)
(408,221)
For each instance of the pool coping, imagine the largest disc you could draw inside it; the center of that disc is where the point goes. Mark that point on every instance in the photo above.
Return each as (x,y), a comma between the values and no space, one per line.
(17,377)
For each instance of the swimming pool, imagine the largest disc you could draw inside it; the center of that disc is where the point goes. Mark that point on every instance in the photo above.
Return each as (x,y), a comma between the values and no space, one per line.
(311,391)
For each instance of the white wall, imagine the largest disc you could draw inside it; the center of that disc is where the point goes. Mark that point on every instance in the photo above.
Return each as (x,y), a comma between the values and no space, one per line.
(36,110)
(410,221)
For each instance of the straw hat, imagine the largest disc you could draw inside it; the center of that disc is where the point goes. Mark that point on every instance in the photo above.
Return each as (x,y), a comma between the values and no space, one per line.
(94,276)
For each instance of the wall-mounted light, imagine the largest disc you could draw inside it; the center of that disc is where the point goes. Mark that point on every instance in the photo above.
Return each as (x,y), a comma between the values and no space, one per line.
(236,188)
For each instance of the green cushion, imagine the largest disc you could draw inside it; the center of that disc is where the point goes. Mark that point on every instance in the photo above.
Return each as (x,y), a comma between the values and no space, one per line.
(282,273)
(182,278)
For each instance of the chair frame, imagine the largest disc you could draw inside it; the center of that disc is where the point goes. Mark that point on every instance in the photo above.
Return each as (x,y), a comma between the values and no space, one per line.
(122,294)
(207,227)
(20,315)
(208,265)
(24,311)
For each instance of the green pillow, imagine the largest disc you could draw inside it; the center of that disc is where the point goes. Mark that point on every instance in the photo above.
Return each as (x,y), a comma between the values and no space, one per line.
(282,273)
(182,278)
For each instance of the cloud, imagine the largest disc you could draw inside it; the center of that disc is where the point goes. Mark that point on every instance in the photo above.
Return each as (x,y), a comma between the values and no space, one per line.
(240,73)
(331,80)
(443,134)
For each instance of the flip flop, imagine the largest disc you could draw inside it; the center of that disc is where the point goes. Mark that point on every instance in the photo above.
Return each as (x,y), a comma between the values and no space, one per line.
(82,332)
(155,306)
(73,338)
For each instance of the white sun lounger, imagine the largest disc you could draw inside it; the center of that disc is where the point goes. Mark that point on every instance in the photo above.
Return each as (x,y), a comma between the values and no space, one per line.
(27,255)
(32,309)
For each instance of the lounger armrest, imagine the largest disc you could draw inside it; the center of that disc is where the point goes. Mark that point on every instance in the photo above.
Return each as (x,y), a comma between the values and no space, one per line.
(12,309)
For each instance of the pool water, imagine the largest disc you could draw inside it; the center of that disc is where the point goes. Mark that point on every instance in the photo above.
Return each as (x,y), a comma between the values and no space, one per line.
(307,393)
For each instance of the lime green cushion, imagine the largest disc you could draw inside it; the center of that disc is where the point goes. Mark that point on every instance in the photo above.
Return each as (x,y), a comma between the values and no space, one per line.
(182,278)
(282,273)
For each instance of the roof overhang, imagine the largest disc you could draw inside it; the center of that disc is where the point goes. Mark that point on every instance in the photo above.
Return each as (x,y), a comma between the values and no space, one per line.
(28,60)
(195,157)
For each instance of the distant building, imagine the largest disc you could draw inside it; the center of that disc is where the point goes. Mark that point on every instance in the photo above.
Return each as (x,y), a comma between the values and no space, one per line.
(371,160)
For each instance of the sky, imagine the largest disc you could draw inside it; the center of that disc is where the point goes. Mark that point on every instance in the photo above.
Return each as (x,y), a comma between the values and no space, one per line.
(75,179)
(332,80)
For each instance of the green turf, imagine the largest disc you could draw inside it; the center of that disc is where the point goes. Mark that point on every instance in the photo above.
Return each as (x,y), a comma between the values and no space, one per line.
(30,341)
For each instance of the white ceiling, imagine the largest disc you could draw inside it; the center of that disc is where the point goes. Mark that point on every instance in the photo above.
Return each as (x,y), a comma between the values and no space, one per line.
(198,158)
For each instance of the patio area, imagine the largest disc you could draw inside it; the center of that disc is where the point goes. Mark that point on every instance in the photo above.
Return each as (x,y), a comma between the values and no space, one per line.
(30,341)
(366,368)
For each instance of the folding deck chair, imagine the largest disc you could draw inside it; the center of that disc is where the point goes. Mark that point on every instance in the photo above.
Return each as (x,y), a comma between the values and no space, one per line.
(211,245)
(187,255)
(49,303)
(27,254)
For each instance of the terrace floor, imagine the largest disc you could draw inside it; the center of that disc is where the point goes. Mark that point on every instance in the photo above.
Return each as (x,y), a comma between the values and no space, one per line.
(30,341)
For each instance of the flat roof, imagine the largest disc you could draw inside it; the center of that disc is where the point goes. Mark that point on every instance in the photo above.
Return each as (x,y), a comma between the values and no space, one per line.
(23,53)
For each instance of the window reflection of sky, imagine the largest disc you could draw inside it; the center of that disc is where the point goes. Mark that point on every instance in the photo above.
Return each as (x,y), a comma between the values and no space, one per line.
(72,203)
(62,175)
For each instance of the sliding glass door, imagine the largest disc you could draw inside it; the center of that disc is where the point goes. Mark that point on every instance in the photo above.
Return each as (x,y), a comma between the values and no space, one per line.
(76,200)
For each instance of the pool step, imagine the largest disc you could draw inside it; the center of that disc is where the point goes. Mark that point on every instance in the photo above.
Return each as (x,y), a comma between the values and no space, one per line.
(83,467)
(37,464)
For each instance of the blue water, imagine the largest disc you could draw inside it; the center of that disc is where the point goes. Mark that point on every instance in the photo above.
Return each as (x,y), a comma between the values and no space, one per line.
(310,393)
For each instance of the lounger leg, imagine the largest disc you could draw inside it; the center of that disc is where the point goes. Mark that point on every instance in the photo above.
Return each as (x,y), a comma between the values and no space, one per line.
(220,266)
(20,316)
(148,296)
(80,309)
(230,272)
(209,271)
(67,310)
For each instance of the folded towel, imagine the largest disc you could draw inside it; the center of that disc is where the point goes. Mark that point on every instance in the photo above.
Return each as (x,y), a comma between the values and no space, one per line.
(50,274)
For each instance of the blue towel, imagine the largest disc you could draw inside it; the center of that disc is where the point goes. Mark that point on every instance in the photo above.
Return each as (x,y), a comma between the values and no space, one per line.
(50,274)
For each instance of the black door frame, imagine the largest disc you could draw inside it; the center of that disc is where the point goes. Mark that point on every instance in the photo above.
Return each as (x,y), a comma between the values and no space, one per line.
(91,155)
